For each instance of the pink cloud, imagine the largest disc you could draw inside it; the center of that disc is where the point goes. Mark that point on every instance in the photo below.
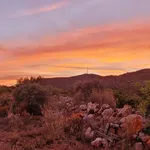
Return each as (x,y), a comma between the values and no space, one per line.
(43,9)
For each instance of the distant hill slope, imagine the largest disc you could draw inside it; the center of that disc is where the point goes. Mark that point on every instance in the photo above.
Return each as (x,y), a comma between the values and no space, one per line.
(106,81)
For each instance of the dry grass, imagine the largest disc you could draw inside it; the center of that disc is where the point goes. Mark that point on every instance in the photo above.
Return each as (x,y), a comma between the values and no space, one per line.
(74,127)
(100,97)
(54,124)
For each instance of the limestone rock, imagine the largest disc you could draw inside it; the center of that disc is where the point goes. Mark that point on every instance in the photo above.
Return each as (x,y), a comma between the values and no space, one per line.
(89,134)
(83,107)
(138,146)
(125,111)
(97,142)
(88,117)
(92,108)
(107,113)
(105,143)
(104,106)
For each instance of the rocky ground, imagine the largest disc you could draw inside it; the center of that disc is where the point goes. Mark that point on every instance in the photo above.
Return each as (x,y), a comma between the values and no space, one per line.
(99,127)
(112,128)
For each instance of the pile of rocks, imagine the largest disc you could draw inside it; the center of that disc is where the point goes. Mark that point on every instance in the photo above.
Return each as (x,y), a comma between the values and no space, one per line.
(107,127)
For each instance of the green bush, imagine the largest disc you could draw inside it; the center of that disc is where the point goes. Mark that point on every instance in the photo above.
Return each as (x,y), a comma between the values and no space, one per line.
(123,98)
(144,106)
(30,96)
(145,89)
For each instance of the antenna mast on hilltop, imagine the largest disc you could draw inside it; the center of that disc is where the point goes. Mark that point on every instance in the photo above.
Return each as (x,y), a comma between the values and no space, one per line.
(87,70)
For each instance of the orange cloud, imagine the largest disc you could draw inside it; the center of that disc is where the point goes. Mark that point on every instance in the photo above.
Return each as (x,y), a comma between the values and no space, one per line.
(109,44)
(112,49)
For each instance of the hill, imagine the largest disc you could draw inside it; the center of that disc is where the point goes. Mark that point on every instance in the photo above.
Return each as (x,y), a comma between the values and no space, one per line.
(107,81)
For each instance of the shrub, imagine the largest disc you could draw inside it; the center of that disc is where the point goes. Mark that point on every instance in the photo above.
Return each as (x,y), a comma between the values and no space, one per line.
(85,88)
(5,89)
(4,111)
(79,97)
(144,105)
(56,91)
(123,98)
(105,96)
(22,81)
(31,97)
(145,89)
(142,108)
(15,123)
(74,126)
(6,100)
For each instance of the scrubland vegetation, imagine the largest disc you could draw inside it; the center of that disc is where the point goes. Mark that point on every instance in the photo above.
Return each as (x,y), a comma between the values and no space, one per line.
(35,116)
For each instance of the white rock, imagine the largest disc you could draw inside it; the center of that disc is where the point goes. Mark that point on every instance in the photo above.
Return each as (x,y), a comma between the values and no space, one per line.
(92,107)
(143,137)
(107,113)
(90,116)
(97,142)
(138,146)
(105,143)
(89,134)
(83,107)
(105,106)
(125,111)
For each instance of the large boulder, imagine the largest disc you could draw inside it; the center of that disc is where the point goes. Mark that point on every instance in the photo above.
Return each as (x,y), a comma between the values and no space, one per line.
(131,125)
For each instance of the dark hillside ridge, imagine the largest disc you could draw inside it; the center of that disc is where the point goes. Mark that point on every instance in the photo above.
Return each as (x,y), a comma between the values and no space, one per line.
(107,81)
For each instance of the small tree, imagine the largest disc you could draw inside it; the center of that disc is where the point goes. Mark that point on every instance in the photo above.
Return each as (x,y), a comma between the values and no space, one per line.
(31,97)
(22,81)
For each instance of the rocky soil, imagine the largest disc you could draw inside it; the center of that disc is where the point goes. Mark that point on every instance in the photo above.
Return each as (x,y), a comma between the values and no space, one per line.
(102,128)
(112,128)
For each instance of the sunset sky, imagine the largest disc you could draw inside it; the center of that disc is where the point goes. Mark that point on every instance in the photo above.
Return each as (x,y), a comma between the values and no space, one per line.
(54,38)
